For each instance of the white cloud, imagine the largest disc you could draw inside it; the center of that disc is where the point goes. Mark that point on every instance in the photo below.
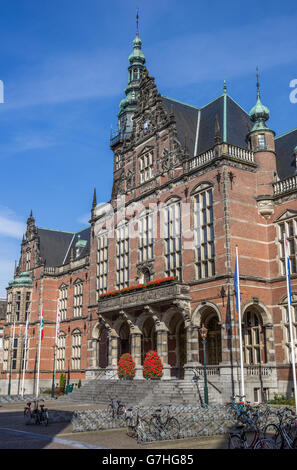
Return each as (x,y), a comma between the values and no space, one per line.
(84,219)
(10,226)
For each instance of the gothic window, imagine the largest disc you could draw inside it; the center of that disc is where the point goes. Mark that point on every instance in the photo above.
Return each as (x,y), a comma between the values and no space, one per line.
(146,167)
(5,354)
(61,348)
(76,350)
(204,234)
(78,299)
(287,336)
(28,259)
(27,305)
(253,344)
(146,238)
(63,295)
(122,256)
(118,161)
(102,263)
(261,141)
(9,307)
(18,306)
(288,227)
(14,353)
(173,253)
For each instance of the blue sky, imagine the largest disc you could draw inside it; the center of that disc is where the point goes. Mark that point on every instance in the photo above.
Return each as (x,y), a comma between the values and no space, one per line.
(64,68)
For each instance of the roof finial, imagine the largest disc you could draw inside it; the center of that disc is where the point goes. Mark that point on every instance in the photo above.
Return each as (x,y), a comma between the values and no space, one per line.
(137,22)
(258,85)
(94,199)
(225,87)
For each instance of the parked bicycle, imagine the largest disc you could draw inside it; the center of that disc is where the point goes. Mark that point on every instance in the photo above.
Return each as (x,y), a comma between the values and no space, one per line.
(283,433)
(136,426)
(38,416)
(161,427)
(238,438)
(116,408)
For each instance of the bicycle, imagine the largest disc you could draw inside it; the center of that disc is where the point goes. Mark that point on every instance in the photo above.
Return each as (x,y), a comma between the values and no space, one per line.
(39,416)
(240,408)
(283,433)
(43,415)
(238,439)
(116,409)
(135,426)
(168,426)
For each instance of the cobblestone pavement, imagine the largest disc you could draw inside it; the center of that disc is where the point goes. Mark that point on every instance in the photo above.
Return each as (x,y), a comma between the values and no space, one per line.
(15,434)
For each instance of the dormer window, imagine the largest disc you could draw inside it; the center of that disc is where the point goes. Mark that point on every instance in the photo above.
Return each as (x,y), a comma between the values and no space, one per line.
(79,246)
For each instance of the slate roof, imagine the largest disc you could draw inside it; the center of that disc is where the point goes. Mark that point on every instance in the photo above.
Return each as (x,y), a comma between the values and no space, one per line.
(56,246)
(199,123)
(235,124)
(285,158)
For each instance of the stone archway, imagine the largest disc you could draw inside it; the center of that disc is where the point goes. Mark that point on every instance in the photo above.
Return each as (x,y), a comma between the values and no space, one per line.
(148,337)
(177,345)
(209,318)
(124,343)
(102,348)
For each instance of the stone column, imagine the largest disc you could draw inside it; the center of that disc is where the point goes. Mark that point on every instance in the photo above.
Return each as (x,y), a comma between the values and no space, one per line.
(192,350)
(162,349)
(112,355)
(136,353)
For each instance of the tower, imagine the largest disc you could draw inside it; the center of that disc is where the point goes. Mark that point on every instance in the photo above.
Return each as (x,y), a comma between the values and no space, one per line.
(129,103)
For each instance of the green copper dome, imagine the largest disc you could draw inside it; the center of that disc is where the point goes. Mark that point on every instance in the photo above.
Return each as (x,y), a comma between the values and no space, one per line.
(259,114)
(24,280)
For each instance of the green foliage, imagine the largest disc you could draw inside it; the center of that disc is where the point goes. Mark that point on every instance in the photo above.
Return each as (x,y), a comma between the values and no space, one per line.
(79,384)
(62,380)
(281,400)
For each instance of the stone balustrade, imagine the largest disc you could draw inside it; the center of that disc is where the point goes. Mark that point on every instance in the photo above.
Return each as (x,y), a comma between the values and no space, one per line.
(285,186)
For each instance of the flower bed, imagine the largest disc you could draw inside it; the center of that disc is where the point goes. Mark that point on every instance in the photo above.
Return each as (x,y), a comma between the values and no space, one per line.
(152,366)
(155,283)
(126,366)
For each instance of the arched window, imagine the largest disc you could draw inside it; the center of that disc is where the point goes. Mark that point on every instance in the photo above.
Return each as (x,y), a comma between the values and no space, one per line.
(61,348)
(76,350)
(254,346)
(204,232)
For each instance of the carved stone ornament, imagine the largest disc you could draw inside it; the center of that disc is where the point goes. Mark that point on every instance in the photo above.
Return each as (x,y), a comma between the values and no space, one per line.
(265,207)
(170,160)
(129,179)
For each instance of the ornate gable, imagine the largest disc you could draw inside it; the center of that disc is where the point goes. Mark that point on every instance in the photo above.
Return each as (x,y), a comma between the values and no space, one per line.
(287,214)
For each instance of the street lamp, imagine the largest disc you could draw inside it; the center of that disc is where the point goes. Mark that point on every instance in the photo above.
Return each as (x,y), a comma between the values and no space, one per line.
(203,332)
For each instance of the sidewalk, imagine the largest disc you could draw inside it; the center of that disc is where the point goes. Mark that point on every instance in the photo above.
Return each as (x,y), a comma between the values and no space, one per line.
(60,435)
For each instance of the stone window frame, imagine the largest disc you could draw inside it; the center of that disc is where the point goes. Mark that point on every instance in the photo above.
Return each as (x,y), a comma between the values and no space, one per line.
(63,301)
(9,307)
(146,166)
(102,262)
(204,236)
(145,222)
(286,328)
(61,351)
(117,161)
(173,237)
(261,142)
(76,344)
(77,298)
(14,352)
(122,254)
(28,259)
(6,348)
(18,305)
(288,225)
(251,332)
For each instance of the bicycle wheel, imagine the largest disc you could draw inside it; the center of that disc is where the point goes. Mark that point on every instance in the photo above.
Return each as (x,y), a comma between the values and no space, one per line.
(273,432)
(235,442)
(130,427)
(172,428)
(265,443)
(154,428)
(27,417)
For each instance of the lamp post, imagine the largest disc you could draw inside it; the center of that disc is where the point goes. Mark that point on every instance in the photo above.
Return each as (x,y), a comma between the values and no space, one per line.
(54,371)
(203,332)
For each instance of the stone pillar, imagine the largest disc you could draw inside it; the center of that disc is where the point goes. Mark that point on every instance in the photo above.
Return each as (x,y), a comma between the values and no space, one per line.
(136,353)
(192,350)
(112,355)
(162,349)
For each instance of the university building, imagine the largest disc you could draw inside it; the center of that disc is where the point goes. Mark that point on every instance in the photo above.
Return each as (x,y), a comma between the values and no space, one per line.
(190,184)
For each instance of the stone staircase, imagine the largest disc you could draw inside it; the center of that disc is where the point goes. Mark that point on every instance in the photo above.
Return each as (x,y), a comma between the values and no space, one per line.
(141,392)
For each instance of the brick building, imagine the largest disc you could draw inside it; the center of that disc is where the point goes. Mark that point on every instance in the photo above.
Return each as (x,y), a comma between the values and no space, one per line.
(157,261)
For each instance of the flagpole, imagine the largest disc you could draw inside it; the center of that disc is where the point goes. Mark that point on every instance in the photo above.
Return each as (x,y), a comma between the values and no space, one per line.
(38,370)
(240,328)
(11,356)
(25,356)
(55,345)
(287,261)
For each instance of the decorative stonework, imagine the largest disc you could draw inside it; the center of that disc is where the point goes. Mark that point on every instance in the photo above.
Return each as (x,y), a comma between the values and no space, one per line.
(265,207)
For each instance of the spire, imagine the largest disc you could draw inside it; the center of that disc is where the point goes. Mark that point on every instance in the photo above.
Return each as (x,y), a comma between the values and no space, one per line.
(259,114)
(225,87)
(94,199)
(137,22)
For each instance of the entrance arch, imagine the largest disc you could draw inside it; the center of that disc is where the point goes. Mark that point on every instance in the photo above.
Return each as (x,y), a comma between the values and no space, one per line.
(124,339)
(148,338)
(210,319)
(177,345)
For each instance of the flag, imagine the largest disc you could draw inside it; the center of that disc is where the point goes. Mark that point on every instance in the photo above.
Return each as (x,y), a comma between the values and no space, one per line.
(41,326)
(288,270)
(237,283)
